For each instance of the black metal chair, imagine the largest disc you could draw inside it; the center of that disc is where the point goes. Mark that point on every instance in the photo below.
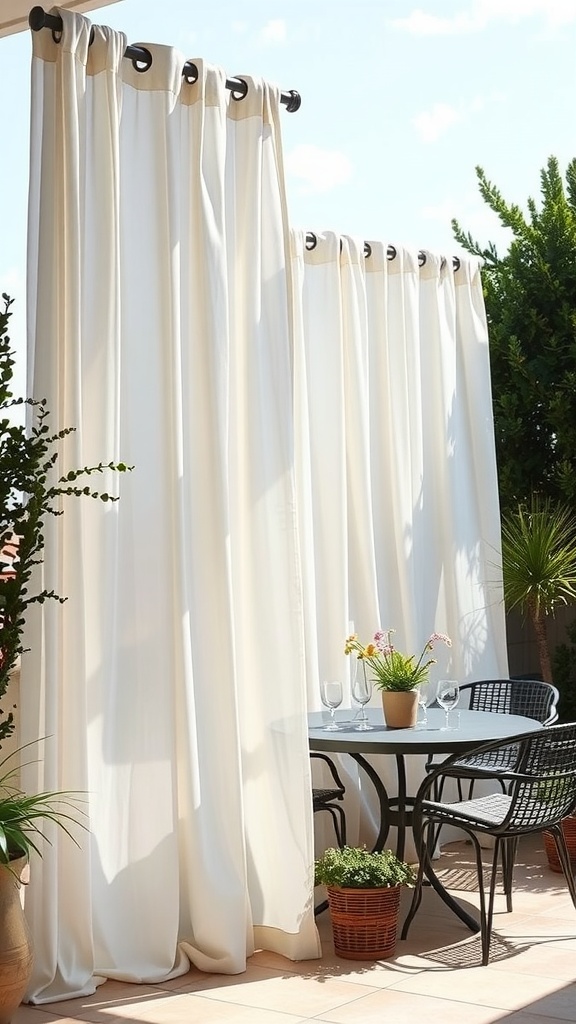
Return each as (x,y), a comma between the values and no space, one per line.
(539,772)
(531,698)
(330,799)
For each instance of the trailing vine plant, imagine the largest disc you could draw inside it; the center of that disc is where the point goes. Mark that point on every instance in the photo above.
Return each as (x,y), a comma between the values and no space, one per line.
(29,492)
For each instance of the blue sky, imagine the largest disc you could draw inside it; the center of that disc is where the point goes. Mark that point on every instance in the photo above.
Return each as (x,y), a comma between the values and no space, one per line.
(400,102)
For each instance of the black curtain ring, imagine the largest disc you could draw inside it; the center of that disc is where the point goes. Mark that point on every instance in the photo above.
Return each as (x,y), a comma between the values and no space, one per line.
(143,61)
(311,241)
(190,72)
(240,91)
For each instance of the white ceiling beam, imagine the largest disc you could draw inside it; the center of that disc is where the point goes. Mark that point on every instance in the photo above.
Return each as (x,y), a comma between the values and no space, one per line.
(14,13)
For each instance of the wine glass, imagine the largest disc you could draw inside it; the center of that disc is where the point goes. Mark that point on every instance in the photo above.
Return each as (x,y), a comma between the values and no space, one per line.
(331,697)
(361,693)
(426,697)
(447,697)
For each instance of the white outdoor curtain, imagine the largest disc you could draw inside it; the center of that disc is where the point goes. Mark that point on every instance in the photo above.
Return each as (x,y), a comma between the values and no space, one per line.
(397,483)
(312,441)
(171,684)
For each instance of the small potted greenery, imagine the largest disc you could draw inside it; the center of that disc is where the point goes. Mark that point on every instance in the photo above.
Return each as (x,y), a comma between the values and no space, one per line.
(396,675)
(363,890)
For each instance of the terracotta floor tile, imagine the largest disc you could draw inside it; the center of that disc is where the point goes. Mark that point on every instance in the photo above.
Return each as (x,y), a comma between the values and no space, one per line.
(393,1007)
(482,986)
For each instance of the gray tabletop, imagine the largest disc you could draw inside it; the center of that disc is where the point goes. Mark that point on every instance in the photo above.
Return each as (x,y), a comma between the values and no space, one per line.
(475,727)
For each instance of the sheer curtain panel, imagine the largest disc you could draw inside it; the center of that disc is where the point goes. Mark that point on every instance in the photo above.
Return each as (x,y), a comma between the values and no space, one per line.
(396,468)
(171,684)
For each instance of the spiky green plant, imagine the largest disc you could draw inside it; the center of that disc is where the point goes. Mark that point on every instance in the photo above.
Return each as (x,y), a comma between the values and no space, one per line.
(22,815)
(539,566)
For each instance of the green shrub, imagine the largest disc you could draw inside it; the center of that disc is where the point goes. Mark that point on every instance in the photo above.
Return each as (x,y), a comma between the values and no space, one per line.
(355,868)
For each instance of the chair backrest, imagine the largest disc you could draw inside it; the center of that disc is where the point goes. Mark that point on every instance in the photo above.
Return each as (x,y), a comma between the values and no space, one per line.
(529,697)
(540,772)
(337,782)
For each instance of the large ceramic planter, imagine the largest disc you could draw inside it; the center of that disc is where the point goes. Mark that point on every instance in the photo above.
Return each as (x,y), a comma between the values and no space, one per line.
(569,830)
(15,943)
(364,921)
(400,708)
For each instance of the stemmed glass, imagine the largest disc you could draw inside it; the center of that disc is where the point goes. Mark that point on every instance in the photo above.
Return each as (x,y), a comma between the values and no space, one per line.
(426,697)
(448,696)
(331,697)
(361,693)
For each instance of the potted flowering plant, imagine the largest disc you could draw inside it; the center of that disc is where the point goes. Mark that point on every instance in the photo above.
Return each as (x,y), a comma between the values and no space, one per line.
(397,675)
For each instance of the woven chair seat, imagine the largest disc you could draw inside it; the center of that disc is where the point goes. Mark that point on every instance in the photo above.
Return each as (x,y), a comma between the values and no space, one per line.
(482,811)
(322,796)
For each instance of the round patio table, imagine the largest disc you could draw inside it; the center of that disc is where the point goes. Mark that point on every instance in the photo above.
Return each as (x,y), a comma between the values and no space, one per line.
(474,728)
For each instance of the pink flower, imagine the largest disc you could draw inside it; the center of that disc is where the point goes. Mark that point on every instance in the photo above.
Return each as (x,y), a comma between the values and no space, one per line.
(439,636)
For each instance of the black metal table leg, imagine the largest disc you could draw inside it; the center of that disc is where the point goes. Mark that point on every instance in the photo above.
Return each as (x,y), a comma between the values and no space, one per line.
(382,797)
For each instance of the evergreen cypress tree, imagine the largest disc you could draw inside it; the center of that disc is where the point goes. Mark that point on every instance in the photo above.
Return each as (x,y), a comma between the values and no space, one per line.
(530,296)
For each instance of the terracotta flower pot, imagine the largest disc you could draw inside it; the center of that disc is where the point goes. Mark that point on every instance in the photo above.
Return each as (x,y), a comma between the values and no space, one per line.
(569,830)
(400,708)
(364,921)
(15,942)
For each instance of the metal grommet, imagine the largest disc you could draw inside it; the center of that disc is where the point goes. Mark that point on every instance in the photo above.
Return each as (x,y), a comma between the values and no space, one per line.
(311,241)
(190,72)
(391,253)
(421,258)
(367,250)
(142,63)
(240,91)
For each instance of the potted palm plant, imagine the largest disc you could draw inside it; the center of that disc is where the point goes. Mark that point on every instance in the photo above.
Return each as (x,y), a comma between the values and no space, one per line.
(539,566)
(397,675)
(539,575)
(30,490)
(363,890)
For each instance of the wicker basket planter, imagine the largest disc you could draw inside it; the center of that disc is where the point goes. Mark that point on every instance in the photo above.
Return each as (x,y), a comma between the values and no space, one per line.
(364,921)
(569,830)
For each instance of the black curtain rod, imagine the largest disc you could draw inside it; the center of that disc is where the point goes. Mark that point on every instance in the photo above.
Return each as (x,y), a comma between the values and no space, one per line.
(312,241)
(142,59)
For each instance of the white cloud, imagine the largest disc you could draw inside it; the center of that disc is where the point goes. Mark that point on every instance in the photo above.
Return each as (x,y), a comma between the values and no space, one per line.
(473,216)
(419,23)
(482,13)
(431,124)
(273,32)
(320,169)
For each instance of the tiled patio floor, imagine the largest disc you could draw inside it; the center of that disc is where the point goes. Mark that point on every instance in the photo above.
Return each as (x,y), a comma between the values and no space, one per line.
(434,976)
